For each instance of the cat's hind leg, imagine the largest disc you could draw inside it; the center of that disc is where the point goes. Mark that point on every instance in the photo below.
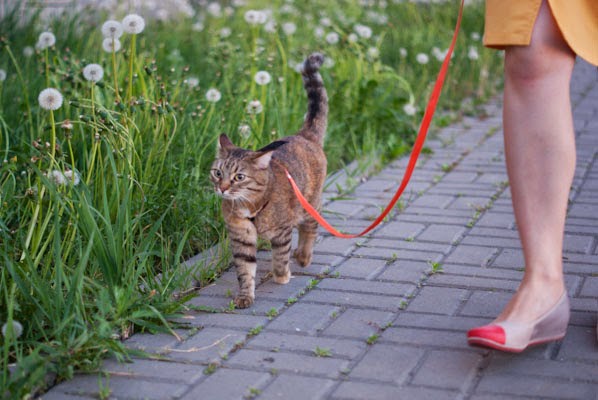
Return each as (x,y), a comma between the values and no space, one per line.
(308,231)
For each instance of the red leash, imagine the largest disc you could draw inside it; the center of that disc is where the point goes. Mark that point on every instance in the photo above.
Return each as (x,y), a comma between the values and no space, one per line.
(417,147)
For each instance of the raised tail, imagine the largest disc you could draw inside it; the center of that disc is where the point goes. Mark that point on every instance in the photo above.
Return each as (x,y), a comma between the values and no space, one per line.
(316,119)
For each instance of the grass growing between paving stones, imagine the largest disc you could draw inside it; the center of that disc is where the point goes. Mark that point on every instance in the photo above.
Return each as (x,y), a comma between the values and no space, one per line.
(104,180)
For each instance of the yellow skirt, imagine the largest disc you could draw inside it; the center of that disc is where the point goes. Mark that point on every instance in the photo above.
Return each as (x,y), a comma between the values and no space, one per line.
(510,22)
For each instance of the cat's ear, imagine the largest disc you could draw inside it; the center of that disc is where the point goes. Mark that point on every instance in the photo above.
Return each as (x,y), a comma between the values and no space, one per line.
(224,146)
(262,160)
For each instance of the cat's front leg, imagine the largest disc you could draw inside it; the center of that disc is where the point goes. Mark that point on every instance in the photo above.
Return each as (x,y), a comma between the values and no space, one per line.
(281,254)
(243,239)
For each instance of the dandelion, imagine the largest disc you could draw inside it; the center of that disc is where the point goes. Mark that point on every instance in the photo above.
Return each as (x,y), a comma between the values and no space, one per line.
(472,54)
(50,99)
(225,32)
(28,51)
(409,109)
(198,26)
(72,177)
(192,81)
(111,45)
(352,38)
(262,78)
(363,31)
(45,40)
(422,58)
(2,75)
(319,32)
(17,329)
(475,36)
(112,29)
(255,107)
(289,28)
(270,27)
(133,24)
(213,95)
(403,52)
(57,177)
(244,130)
(214,9)
(438,54)
(93,72)
(325,21)
(373,53)
(328,62)
(332,38)
(254,17)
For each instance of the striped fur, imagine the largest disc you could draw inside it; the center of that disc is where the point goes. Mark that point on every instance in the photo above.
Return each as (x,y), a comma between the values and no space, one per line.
(257,199)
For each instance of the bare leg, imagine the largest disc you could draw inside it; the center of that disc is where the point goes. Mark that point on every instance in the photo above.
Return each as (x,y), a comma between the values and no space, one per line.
(540,154)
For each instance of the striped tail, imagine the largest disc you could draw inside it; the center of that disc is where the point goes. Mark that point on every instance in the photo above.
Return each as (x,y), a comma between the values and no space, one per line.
(314,126)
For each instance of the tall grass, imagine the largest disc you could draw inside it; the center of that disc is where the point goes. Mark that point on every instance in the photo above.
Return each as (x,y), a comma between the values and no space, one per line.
(102,198)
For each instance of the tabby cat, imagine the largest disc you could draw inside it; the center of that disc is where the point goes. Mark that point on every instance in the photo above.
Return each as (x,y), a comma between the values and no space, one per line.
(257,199)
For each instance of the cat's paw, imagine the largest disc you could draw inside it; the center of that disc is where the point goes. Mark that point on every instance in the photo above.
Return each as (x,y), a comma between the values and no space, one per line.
(303,259)
(282,279)
(243,301)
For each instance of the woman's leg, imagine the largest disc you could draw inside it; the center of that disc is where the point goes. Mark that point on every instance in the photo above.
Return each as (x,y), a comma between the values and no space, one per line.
(540,155)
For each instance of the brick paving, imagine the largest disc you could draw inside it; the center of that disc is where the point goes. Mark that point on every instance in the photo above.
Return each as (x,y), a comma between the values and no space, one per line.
(385,317)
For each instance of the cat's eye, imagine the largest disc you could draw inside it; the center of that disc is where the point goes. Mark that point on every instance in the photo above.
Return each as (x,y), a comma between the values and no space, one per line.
(239,177)
(217,173)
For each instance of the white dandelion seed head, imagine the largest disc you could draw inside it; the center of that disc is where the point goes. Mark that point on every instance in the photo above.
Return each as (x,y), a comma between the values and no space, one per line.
(332,38)
(244,130)
(325,21)
(214,9)
(28,51)
(422,58)
(373,53)
(133,24)
(262,78)
(72,177)
(112,29)
(328,62)
(111,45)
(17,329)
(198,26)
(403,52)
(363,31)
(50,99)
(255,107)
(213,95)
(270,26)
(239,3)
(319,32)
(475,36)
(409,109)
(225,32)
(45,40)
(289,28)
(288,9)
(93,72)
(57,177)
(255,17)
(472,53)
(2,75)
(439,54)
(229,11)
(192,81)
(352,38)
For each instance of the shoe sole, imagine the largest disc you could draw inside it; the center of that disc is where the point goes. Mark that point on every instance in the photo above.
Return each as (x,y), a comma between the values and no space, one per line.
(479,341)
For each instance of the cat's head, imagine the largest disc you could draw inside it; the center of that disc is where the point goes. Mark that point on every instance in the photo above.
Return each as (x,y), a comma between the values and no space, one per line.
(239,174)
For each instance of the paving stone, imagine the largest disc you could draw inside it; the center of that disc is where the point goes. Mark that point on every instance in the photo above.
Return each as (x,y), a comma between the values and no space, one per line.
(123,387)
(359,324)
(228,384)
(579,344)
(400,230)
(438,300)
(425,337)
(208,345)
(472,255)
(448,234)
(350,299)
(376,287)
(404,271)
(448,369)
(590,287)
(536,387)
(339,348)
(485,304)
(306,318)
(435,321)
(144,368)
(327,367)
(289,387)
(236,321)
(387,363)
(54,394)
(503,363)
(370,391)
(366,268)
(158,343)
(472,282)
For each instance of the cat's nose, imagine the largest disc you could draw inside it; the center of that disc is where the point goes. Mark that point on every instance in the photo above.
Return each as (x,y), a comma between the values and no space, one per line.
(224,187)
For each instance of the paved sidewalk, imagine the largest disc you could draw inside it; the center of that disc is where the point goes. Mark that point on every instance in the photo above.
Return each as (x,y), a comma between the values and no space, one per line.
(385,317)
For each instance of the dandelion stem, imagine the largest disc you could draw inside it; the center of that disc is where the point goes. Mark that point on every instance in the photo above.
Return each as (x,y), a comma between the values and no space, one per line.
(131,58)
(114,72)
(25,90)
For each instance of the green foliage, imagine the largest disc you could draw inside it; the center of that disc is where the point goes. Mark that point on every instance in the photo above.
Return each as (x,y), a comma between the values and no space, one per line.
(102,198)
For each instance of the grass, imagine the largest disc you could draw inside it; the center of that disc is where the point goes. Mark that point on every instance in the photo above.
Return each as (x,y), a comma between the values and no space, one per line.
(102,197)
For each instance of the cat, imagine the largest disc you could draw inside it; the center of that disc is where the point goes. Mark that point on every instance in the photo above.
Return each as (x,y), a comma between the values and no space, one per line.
(257,199)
